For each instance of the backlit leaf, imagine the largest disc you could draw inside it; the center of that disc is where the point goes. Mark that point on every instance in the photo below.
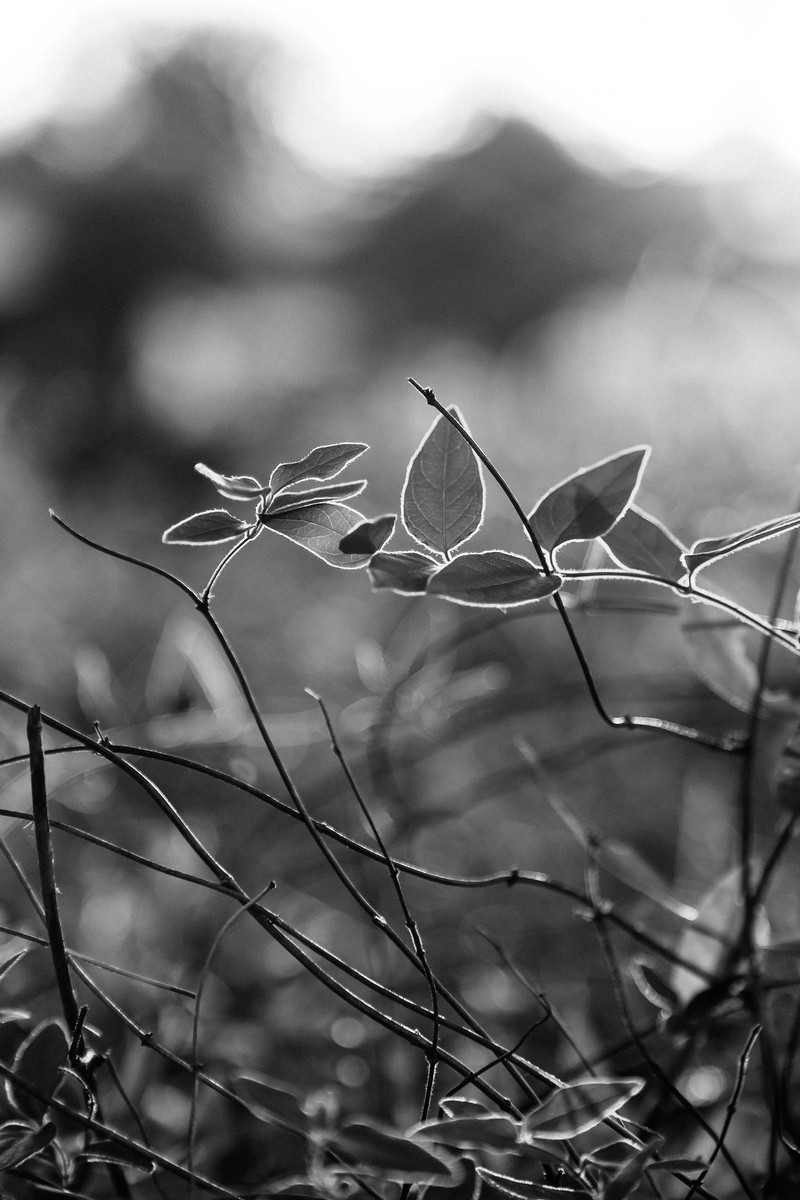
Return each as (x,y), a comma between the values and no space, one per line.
(641,543)
(655,989)
(528,1189)
(323,462)
(320,528)
(719,911)
(492,579)
(269,1100)
(233,487)
(463,1190)
(587,504)
(443,494)
(404,571)
(38,1061)
(205,528)
(463,1106)
(18,1143)
(9,963)
(289,501)
(709,550)
(579,1106)
(627,1179)
(490,1131)
(389,1155)
(369,536)
(625,863)
(717,650)
(104,1150)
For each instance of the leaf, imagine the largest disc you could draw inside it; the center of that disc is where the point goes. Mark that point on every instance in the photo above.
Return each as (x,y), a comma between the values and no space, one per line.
(653,987)
(443,495)
(390,1155)
(709,550)
(320,528)
(493,1132)
(233,487)
(463,1190)
(104,1150)
(492,579)
(404,571)
(685,1165)
(291,501)
(627,1178)
(15,1150)
(527,1189)
(587,504)
(625,863)
(10,962)
(324,462)
(462,1106)
(369,536)
(620,859)
(270,1100)
(205,528)
(38,1061)
(717,651)
(785,775)
(641,543)
(579,1106)
(720,912)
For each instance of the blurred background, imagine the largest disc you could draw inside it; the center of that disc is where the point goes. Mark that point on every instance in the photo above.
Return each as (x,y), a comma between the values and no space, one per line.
(229,232)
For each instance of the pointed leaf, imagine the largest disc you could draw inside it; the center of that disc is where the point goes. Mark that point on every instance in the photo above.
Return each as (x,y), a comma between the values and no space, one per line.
(291,501)
(233,487)
(587,504)
(388,1154)
(655,989)
(720,912)
(443,496)
(104,1150)
(10,962)
(369,536)
(462,1106)
(709,550)
(38,1061)
(717,650)
(323,462)
(625,863)
(18,1143)
(463,1190)
(627,1179)
(320,528)
(527,1189)
(492,579)
(404,571)
(270,1100)
(205,528)
(493,1132)
(579,1106)
(641,543)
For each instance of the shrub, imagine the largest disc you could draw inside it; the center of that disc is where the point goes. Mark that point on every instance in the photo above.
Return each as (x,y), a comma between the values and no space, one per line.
(696,1099)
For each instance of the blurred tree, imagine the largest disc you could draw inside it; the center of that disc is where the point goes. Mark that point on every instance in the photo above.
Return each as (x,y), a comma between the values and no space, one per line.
(489,237)
(129,199)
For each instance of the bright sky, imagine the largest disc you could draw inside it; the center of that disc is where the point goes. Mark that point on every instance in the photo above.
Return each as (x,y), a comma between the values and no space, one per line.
(660,80)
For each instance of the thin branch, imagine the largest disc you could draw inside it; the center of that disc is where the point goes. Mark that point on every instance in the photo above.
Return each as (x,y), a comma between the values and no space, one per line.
(411,924)
(44,851)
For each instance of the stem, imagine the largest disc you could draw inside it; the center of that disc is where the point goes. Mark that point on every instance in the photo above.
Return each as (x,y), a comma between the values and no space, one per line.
(44,850)
(411,924)
(625,722)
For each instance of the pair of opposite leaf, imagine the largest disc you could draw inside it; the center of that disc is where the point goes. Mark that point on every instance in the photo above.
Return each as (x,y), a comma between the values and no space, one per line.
(443,502)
